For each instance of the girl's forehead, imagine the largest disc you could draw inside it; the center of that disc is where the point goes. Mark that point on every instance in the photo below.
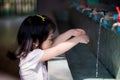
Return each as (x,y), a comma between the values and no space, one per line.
(51,32)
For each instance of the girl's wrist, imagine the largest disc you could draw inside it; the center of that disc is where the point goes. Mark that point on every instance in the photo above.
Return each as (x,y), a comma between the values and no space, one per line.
(70,33)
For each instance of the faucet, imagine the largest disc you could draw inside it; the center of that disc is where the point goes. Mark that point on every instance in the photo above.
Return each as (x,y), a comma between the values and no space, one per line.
(117,24)
(107,16)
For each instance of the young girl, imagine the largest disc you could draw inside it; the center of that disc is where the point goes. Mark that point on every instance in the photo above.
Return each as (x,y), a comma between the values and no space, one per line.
(36,45)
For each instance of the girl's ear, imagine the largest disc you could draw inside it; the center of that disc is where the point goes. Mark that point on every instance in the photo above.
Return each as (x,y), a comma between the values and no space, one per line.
(36,44)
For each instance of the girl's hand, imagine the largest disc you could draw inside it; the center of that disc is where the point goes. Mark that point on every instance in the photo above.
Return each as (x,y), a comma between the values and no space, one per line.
(83,38)
(76,32)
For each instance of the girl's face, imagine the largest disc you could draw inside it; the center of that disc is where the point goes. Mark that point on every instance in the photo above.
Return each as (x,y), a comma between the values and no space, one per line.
(48,42)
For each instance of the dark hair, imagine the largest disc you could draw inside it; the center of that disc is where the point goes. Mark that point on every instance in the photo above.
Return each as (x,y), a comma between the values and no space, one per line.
(33,28)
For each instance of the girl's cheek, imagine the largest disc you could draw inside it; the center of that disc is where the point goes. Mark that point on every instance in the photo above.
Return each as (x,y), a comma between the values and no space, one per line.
(51,43)
(46,44)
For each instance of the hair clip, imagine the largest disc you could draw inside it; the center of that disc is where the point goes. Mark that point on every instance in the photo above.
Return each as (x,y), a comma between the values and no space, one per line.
(43,18)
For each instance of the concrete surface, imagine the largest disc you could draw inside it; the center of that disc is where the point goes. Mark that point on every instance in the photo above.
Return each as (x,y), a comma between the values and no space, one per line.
(58,69)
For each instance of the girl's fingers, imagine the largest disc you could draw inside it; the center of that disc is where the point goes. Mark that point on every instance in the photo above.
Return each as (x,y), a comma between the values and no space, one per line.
(84,39)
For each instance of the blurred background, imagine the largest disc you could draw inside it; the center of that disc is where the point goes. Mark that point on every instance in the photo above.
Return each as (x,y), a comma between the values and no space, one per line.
(66,16)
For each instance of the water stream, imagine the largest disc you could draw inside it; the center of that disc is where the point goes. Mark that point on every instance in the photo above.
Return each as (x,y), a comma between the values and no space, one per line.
(98,51)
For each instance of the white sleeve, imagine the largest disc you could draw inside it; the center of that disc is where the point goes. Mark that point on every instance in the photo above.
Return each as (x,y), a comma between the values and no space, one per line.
(32,59)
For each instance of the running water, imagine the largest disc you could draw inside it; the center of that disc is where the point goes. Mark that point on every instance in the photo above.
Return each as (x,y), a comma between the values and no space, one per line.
(98,50)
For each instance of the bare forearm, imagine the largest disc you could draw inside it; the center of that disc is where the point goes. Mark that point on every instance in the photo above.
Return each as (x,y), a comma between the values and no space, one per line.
(61,38)
(63,47)
(59,49)
(67,35)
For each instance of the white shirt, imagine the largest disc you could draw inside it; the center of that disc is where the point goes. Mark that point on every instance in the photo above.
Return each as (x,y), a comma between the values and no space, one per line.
(31,68)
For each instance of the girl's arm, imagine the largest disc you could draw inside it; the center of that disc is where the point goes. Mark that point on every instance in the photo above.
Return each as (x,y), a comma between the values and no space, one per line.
(67,35)
(63,47)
